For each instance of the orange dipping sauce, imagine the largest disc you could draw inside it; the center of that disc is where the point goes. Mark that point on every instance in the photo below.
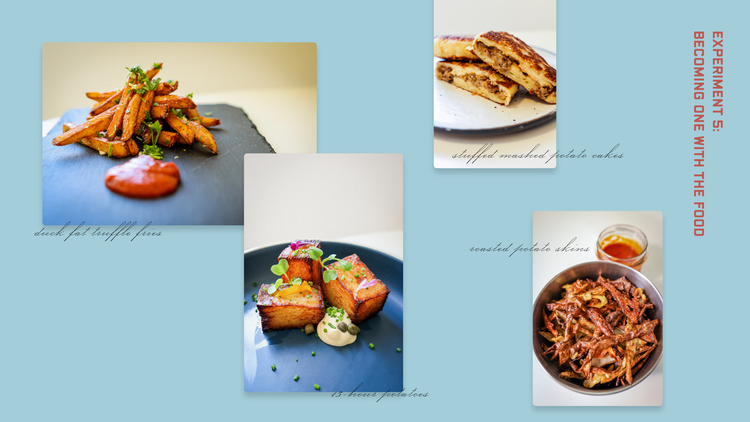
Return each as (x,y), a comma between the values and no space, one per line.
(621,249)
(143,177)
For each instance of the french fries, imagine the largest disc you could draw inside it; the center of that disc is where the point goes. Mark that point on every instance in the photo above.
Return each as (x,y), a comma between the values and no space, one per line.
(100,96)
(181,127)
(131,115)
(117,148)
(88,129)
(166,88)
(143,108)
(174,101)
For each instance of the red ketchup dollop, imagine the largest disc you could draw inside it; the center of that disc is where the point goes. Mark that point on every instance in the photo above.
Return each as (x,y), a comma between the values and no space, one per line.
(143,177)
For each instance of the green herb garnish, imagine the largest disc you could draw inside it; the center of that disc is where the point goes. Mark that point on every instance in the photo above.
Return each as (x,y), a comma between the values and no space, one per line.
(153,149)
(296,377)
(209,114)
(317,387)
(177,112)
(109,151)
(313,353)
(372,346)
(273,367)
(398,349)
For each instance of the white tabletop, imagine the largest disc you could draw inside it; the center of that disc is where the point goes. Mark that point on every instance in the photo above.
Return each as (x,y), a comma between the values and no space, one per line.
(560,227)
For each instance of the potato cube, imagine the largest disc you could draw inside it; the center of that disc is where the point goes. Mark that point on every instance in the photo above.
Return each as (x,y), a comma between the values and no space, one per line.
(292,311)
(343,292)
(301,265)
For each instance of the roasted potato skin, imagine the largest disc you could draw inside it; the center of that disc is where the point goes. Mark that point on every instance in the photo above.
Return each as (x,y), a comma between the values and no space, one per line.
(342,292)
(293,312)
(301,265)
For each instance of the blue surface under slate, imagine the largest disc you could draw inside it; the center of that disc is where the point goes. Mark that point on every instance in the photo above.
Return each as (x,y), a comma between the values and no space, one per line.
(211,190)
(348,368)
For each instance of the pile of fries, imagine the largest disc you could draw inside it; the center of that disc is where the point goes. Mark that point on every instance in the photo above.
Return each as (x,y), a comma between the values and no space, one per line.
(143,108)
(599,332)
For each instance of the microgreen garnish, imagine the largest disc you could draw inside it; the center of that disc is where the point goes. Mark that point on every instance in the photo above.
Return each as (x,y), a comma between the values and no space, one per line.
(245,302)
(209,114)
(109,151)
(177,112)
(329,273)
(153,149)
(137,73)
(274,287)
(190,95)
(157,66)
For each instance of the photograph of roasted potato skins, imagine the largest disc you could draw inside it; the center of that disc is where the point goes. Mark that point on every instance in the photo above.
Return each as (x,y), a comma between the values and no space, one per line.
(323,284)
(598,313)
(156,132)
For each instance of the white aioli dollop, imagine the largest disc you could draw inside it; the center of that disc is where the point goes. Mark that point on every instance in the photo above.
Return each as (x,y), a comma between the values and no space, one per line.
(334,336)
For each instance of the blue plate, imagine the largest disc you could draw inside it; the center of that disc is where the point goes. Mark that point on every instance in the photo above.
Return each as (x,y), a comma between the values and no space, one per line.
(346,369)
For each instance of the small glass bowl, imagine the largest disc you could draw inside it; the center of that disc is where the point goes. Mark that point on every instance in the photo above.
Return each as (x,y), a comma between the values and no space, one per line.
(628,235)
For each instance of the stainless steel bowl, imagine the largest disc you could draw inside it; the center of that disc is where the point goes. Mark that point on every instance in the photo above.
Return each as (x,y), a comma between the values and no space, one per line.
(591,270)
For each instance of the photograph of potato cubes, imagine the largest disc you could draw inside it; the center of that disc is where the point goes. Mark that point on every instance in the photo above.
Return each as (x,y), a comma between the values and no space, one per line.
(495,84)
(598,313)
(323,284)
(156,132)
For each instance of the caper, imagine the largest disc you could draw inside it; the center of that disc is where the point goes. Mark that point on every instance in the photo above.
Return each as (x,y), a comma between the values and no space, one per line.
(309,328)
(353,329)
(342,327)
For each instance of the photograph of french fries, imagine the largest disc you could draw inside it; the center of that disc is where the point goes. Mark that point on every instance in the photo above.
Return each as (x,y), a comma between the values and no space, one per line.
(145,109)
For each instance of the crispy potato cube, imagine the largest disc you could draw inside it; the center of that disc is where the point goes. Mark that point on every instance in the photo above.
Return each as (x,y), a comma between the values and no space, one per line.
(342,292)
(293,311)
(301,265)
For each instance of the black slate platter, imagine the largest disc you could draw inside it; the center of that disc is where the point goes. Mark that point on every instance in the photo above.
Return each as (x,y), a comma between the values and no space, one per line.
(210,191)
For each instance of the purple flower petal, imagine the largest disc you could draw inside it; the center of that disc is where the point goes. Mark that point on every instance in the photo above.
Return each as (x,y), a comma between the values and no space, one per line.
(365,284)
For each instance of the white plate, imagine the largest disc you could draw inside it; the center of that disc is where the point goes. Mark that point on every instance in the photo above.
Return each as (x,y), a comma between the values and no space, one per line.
(459,110)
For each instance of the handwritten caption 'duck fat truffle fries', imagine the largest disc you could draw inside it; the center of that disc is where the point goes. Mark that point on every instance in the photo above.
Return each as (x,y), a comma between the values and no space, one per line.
(493,65)
(145,109)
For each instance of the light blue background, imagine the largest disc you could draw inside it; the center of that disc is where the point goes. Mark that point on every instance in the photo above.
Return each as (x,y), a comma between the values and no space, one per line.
(152,329)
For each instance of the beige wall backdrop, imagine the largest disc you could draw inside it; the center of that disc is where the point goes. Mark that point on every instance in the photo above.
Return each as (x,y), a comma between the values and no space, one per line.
(321,196)
(475,16)
(71,69)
